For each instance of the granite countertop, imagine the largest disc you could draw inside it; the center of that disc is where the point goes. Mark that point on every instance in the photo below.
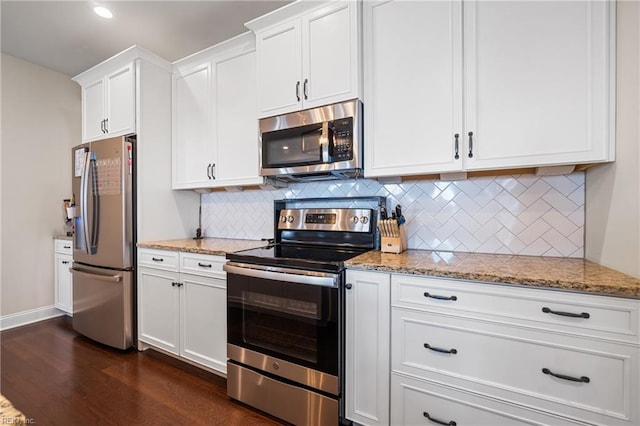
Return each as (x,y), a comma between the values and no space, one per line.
(62,237)
(551,272)
(214,246)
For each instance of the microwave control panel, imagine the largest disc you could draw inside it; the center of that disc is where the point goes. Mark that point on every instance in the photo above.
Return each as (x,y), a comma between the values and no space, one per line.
(342,130)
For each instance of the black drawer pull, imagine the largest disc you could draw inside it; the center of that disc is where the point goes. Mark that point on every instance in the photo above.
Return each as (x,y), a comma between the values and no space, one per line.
(584,315)
(157,259)
(65,262)
(435,296)
(583,379)
(440,422)
(204,265)
(67,246)
(444,351)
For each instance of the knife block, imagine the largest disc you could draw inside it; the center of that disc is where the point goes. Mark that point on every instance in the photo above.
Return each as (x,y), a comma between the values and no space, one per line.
(394,244)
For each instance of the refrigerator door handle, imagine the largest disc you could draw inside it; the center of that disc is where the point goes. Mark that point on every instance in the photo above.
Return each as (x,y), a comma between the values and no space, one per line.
(84,187)
(95,208)
(108,278)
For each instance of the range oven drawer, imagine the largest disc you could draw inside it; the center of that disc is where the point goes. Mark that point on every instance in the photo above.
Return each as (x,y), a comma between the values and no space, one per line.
(287,370)
(291,403)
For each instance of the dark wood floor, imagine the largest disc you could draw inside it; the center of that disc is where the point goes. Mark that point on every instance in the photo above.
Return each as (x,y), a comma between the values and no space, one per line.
(56,377)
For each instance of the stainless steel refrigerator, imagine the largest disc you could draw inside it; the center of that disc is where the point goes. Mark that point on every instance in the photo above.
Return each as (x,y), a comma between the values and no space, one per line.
(103,174)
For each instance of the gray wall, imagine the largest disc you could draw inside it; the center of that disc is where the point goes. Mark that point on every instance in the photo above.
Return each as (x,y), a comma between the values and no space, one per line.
(612,219)
(40,123)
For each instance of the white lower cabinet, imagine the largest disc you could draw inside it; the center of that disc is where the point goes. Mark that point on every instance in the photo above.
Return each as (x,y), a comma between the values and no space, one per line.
(182,305)
(367,347)
(468,352)
(461,352)
(63,284)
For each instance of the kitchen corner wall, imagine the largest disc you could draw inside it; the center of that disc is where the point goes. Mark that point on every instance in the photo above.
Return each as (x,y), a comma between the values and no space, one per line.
(40,124)
(613,190)
(517,214)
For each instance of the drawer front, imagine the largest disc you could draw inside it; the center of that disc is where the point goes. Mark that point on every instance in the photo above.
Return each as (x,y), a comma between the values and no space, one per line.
(575,313)
(64,247)
(413,400)
(165,260)
(202,264)
(519,361)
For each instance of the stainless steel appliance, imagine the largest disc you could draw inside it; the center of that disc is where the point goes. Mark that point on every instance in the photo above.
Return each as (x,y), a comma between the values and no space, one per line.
(285,313)
(103,183)
(314,144)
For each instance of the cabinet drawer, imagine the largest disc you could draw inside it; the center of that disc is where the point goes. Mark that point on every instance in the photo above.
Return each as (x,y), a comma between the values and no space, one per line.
(598,316)
(202,264)
(64,247)
(158,259)
(512,361)
(412,400)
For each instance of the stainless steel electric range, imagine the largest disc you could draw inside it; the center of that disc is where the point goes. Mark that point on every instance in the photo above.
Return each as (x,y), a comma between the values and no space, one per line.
(285,312)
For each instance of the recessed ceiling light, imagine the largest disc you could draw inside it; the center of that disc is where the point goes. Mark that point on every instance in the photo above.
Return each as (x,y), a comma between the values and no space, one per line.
(103,11)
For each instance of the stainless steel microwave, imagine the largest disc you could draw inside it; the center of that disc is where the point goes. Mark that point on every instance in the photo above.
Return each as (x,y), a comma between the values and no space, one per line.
(314,144)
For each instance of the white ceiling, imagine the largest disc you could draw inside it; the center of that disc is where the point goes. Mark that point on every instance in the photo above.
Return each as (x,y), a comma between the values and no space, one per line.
(68,37)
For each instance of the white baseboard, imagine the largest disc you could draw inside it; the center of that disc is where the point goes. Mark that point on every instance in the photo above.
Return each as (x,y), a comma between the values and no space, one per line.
(28,317)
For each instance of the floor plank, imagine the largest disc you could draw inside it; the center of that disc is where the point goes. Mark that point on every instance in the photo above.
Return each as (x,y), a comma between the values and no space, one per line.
(57,377)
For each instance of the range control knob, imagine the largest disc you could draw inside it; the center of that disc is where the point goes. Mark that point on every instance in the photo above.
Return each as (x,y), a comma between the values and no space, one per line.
(364,219)
(290,219)
(355,219)
(283,219)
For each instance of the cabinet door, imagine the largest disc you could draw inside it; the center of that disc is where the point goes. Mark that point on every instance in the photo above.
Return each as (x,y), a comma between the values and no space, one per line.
(63,283)
(368,306)
(413,87)
(330,54)
(93,112)
(236,120)
(538,87)
(158,315)
(120,101)
(279,69)
(193,143)
(203,319)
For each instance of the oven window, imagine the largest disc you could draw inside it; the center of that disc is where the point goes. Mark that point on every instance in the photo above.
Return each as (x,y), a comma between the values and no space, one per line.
(290,321)
(292,147)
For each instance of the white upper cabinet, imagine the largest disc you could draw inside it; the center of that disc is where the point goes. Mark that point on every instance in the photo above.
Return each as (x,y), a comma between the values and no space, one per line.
(193,146)
(279,69)
(501,84)
(108,101)
(413,86)
(215,127)
(539,83)
(307,58)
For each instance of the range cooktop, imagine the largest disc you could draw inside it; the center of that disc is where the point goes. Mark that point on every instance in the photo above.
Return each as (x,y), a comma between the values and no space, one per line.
(318,258)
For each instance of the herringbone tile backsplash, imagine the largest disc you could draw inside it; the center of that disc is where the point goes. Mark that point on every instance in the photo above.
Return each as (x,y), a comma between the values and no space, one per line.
(516,214)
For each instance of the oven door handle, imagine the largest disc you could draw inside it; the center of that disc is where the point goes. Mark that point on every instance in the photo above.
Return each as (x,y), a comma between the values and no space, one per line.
(283,274)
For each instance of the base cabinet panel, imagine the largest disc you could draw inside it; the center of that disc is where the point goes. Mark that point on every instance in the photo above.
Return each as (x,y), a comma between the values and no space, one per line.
(367,347)
(63,280)
(158,314)
(184,313)
(203,320)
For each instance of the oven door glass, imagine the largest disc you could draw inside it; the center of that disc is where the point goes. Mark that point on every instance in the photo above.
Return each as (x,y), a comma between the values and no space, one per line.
(291,321)
(299,146)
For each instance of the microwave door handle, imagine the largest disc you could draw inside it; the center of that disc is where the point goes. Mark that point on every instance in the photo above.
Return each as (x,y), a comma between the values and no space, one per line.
(324,143)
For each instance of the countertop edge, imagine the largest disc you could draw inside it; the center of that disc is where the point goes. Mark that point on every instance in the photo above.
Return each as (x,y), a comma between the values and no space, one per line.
(507,281)
(206,246)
